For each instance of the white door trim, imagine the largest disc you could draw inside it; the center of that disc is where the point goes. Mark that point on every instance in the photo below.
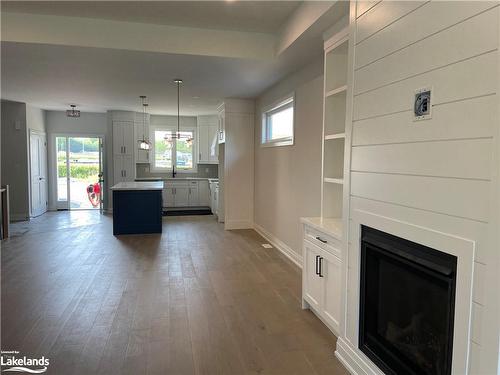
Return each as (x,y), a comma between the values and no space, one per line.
(44,168)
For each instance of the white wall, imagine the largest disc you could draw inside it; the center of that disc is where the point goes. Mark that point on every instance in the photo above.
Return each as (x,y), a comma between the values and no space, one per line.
(438,174)
(15,158)
(288,178)
(88,124)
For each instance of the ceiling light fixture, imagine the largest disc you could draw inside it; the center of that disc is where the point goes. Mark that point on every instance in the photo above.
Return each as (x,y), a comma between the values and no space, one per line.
(169,138)
(73,112)
(143,143)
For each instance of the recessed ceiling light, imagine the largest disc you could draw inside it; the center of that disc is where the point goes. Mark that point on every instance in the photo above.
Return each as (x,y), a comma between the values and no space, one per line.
(196,97)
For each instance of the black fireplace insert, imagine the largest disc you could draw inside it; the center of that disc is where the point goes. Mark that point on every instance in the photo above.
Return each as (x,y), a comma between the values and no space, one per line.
(407,305)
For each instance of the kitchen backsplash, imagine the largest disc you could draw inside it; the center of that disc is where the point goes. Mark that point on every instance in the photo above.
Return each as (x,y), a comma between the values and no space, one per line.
(204,170)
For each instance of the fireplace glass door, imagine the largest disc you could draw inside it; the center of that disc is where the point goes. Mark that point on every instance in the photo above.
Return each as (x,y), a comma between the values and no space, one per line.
(407,305)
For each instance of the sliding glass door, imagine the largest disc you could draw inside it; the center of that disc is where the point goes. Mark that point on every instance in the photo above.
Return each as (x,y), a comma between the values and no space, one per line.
(79,172)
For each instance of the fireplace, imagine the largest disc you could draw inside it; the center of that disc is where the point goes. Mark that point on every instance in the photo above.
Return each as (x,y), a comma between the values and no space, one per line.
(407,305)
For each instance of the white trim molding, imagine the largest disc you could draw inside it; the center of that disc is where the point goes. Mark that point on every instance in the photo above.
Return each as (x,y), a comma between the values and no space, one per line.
(280,245)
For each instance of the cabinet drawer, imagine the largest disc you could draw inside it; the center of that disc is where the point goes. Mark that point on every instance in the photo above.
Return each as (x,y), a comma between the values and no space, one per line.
(324,241)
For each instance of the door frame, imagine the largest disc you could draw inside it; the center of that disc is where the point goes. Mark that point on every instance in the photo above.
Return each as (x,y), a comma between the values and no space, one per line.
(45,161)
(53,165)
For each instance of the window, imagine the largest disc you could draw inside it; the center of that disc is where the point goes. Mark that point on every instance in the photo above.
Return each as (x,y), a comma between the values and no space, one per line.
(179,151)
(277,123)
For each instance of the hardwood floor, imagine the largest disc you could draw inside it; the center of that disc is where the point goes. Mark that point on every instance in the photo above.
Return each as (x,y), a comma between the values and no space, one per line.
(195,300)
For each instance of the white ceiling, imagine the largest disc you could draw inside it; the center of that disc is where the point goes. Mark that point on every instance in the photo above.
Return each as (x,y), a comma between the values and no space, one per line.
(52,75)
(267,17)
(98,79)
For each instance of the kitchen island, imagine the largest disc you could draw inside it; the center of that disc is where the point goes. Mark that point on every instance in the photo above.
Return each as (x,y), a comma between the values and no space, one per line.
(137,207)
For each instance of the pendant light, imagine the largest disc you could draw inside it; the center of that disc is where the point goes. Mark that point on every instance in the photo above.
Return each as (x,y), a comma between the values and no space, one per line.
(178,134)
(143,143)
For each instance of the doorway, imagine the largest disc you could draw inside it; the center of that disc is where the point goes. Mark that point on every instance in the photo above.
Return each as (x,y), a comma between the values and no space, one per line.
(38,173)
(79,172)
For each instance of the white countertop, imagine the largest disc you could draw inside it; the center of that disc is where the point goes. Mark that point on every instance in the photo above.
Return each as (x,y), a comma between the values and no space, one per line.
(145,185)
(329,225)
(174,179)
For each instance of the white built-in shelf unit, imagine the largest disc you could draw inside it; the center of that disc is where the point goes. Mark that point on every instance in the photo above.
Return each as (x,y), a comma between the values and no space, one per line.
(334,128)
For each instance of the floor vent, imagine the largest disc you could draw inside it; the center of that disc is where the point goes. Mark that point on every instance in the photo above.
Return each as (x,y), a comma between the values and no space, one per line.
(266,246)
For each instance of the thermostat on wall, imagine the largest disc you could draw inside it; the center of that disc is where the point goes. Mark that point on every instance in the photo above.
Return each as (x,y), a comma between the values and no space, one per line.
(422,106)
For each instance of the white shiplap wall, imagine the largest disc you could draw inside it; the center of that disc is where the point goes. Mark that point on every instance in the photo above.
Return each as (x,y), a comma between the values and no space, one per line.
(438,173)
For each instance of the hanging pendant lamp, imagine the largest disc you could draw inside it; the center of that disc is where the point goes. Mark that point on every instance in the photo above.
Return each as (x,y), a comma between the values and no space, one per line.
(178,135)
(144,143)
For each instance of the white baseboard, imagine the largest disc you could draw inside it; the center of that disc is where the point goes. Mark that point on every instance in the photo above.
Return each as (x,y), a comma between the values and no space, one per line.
(355,364)
(237,224)
(280,245)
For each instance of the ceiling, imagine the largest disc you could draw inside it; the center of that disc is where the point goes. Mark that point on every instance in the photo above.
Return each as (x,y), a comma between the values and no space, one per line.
(89,69)
(267,17)
(98,79)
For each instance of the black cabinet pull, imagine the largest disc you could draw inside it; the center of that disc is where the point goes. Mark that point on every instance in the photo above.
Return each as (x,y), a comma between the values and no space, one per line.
(317,264)
(320,266)
(320,239)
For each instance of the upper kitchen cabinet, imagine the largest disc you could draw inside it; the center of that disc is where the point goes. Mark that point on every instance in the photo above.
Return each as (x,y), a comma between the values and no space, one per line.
(141,131)
(221,132)
(208,130)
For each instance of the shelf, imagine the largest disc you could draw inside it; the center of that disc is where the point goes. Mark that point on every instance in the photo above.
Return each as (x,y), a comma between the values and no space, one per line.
(335,136)
(338,90)
(330,180)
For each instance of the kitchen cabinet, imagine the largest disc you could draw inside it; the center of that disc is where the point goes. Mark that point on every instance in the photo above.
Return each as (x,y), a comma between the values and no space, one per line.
(123,138)
(123,151)
(207,133)
(168,197)
(181,198)
(222,124)
(185,193)
(321,276)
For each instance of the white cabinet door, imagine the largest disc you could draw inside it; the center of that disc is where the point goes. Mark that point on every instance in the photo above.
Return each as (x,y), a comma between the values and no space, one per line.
(117,137)
(118,171)
(313,283)
(181,196)
(128,168)
(331,271)
(213,149)
(203,150)
(203,193)
(222,127)
(193,196)
(128,138)
(168,197)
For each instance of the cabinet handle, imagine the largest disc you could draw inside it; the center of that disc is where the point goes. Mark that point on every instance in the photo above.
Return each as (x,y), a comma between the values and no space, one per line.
(189,191)
(124,173)
(317,257)
(124,149)
(321,240)
(320,266)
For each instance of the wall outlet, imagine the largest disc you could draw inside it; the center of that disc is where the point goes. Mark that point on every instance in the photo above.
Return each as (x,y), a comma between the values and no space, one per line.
(422,105)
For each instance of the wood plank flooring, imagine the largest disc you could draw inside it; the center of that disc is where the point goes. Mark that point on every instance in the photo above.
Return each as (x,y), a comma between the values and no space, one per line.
(194,300)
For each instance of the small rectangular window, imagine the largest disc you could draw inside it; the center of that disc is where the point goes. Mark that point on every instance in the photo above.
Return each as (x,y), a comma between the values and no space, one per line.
(277,123)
